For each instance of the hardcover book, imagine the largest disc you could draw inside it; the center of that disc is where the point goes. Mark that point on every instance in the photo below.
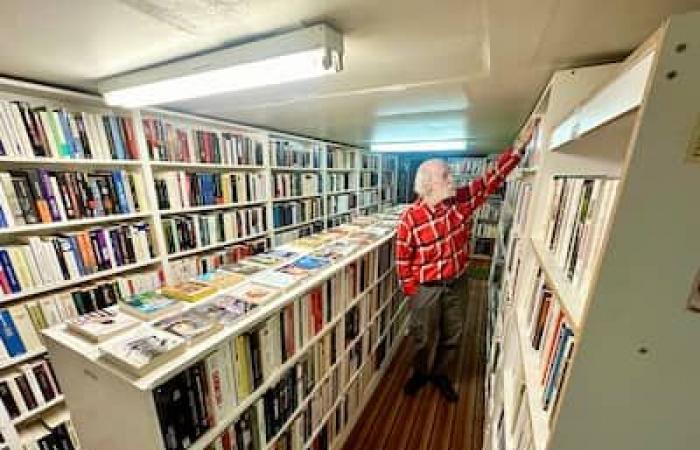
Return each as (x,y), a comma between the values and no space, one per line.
(141,349)
(102,324)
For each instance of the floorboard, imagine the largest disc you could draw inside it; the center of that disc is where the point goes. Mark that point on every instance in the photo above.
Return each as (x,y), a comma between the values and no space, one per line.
(393,421)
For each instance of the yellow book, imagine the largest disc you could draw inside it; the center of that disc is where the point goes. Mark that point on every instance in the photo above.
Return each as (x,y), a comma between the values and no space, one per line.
(242,364)
(26,330)
(20,266)
(189,291)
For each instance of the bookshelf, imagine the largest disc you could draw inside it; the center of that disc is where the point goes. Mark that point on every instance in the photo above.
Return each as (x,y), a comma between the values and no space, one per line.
(154,144)
(579,344)
(365,318)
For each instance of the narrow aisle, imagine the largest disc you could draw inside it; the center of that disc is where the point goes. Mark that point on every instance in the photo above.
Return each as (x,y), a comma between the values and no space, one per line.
(394,421)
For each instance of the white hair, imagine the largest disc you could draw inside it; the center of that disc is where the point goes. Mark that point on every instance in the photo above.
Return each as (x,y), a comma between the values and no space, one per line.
(424,174)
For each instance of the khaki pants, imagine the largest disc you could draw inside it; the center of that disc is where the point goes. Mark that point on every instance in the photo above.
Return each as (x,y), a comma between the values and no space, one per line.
(436,322)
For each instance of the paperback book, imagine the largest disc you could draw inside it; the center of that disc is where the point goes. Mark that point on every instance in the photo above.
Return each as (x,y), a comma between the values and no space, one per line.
(191,325)
(224,308)
(254,293)
(241,269)
(141,349)
(102,324)
(336,250)
(221,279)
(311,263)
(189,291)
(149,305)
(277,278)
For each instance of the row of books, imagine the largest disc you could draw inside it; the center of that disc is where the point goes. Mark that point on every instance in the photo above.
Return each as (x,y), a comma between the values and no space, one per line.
(466,166)
(28,387)
(370,161)
(167,141)
(190,267)
(341,203)
(338,158)
(180,189)
(369,179)
(552,338)
(296,211)
(29,132)
(289,154)
(367,198)
(579,212)
(341,182)
(41,196)
(519,421)
(53,431)
(293,184)
(292,235)
(53,259)
(200,230)
(485,230)
(20,324)
(489,211)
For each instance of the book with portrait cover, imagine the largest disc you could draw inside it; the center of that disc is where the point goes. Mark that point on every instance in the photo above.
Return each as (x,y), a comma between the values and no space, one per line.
(102,324)
(191,325)
(224,308)
(254,293)
(141,349)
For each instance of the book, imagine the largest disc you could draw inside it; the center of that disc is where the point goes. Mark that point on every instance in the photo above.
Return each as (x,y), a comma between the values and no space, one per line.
(142,349)
(100,325)
(242,268)
(149,305)
(221,279)
(227,309)
(275,278)
(189,291)
(191,325)
(310,263)
(254,293)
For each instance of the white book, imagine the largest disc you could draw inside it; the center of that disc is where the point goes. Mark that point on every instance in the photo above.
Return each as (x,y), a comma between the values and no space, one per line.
(101,325)
(49,309)
(26,145)
(141,349)
(33,383)
(32,254)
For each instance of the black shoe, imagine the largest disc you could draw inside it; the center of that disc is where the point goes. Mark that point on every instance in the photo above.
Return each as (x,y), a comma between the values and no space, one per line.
(414,384)
(445,386)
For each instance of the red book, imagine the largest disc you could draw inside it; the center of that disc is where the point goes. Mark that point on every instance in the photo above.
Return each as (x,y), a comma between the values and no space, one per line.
(4,283)
(130,138)
(552,345)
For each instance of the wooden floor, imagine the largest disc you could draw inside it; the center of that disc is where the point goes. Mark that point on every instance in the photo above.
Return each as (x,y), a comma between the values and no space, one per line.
(395,421)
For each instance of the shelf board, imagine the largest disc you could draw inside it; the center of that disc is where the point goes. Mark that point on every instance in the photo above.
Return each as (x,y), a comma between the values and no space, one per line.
(508,401)
(294,169)
(207,166)
(371,205)
(295,197)
(297,225)
(350,211)
(22,358)
(333,169)
(67,162)
(24,229)
(191,209)
(214,246)
(570,298)
(531,370)
(346,191)
(370,188)
(77,281)
(36,411)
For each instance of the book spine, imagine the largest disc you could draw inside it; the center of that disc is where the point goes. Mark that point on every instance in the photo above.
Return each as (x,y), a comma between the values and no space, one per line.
(9,335)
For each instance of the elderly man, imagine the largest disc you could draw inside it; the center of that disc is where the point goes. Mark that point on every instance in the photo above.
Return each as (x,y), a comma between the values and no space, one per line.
(431,254)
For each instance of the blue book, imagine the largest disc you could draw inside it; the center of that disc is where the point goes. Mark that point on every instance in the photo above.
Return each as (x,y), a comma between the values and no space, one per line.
(3,219)
(117,136)
(12,279)
(122,204)
(311,263)
(67,133)
(75,248)
(566,334)
(9,335)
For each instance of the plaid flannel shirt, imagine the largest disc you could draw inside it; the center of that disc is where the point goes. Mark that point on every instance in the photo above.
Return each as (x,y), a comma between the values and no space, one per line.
(433,243)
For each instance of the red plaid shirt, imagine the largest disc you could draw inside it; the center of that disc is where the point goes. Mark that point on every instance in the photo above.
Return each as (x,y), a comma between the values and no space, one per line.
(433,243)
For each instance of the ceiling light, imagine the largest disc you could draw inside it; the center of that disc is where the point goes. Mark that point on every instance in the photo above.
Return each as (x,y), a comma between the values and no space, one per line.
(302,54)
(423,146)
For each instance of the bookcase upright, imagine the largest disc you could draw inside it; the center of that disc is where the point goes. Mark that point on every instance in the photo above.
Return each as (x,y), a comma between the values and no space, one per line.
(592,342)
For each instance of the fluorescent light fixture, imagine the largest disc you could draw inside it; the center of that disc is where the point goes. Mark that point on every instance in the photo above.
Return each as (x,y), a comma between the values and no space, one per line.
(424,146)
(302,54)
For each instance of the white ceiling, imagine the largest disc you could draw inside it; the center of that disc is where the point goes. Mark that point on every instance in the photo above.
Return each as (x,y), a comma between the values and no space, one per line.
(414,70)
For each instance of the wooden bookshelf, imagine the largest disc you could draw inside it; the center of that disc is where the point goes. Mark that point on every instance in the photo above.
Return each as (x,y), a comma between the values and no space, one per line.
(626,128)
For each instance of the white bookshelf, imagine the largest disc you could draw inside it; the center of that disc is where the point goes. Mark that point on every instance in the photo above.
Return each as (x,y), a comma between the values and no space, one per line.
(146,169)
(628,383)
(80,367)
